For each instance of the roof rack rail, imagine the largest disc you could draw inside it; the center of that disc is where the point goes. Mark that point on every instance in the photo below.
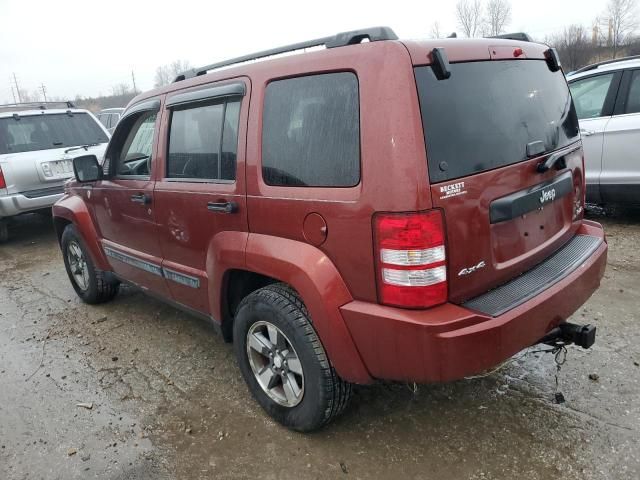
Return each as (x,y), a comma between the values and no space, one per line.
(38,105)
(593,66)
(523,37)
(342,39)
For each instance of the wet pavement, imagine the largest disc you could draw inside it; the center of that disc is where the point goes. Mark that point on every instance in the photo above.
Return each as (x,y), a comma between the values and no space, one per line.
(167,400)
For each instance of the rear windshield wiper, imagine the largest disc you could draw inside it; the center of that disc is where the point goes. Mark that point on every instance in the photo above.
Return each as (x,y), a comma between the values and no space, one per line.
(559,155)
(86,147)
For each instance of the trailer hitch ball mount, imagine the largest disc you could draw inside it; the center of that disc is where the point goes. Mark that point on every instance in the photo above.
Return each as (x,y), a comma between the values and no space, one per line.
(581,335)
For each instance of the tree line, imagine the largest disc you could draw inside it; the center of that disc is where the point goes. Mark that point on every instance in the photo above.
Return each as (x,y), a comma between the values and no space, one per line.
(612,34)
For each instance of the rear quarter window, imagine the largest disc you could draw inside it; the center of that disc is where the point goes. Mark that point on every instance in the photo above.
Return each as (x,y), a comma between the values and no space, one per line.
(311,131)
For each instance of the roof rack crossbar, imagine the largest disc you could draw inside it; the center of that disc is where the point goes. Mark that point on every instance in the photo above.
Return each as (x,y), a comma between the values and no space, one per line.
(342,39)
(593,66)
(38,105)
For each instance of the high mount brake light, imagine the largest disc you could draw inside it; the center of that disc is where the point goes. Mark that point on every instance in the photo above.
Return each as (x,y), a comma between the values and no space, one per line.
(411,259)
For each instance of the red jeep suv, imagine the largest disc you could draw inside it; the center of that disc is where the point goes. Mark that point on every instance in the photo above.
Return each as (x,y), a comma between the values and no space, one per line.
(378,209)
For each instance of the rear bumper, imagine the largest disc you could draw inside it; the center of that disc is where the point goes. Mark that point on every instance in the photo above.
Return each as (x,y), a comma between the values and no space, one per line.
(17,203)
(450,342)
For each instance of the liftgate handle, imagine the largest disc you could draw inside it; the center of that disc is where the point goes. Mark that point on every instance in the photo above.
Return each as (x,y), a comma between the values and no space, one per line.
(222,207)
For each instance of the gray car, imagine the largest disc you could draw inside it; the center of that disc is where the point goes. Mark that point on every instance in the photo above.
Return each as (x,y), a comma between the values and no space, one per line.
(37,147)
(109,117)
(607,100)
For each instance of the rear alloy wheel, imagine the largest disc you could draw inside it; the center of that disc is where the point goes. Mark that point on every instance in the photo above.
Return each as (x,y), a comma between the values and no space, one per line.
(284,363)
(87,281)
(275,364)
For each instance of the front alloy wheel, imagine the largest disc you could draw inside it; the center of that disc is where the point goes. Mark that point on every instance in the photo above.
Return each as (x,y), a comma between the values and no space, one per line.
(78,265)
(88,282)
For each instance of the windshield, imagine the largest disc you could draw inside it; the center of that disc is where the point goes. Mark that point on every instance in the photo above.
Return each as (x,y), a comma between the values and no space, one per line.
(485,114)
(47,131)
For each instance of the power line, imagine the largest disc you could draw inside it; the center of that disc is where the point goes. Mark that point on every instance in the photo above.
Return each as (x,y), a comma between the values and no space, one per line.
(17,88)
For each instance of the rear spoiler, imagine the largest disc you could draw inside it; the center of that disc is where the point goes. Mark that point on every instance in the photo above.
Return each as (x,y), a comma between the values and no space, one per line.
(521,36)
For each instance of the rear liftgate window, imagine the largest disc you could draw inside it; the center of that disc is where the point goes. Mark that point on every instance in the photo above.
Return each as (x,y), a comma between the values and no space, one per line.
(483,116)
(311,131)
(48,131)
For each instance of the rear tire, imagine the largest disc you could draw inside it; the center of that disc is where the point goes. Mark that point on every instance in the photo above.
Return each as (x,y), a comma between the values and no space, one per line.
(294,355)
(87,281)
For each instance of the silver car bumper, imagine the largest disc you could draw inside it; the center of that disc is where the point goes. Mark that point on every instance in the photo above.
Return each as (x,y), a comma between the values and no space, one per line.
(17,203)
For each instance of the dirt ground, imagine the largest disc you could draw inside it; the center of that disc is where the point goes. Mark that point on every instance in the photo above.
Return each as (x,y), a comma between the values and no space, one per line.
(167,400)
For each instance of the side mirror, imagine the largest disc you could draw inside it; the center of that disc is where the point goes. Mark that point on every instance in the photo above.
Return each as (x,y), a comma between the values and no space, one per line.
(87,169)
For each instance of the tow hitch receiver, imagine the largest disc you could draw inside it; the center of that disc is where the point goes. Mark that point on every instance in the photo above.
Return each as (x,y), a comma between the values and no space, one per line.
(582,335)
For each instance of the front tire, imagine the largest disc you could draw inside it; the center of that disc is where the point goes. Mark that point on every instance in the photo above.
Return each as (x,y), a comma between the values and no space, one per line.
(88,282)
(283,361)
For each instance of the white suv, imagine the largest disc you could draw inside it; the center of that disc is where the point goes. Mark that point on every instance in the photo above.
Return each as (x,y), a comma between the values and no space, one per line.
(37,146)
(607,99)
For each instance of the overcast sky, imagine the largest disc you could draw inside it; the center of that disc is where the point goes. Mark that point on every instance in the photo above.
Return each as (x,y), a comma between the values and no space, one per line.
(85,47)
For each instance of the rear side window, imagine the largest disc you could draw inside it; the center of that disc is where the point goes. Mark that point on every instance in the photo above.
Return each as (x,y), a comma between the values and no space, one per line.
(633,102)
(485,114)
(47,131)
(203,142)
(589,95)
(311,131)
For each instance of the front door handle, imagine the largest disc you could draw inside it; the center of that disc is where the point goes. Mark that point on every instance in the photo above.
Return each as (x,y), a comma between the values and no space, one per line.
(585,133)
(222,207)
(142,198)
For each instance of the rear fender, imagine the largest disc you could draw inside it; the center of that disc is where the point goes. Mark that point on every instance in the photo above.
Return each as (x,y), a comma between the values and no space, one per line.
(73,209)
(314,276)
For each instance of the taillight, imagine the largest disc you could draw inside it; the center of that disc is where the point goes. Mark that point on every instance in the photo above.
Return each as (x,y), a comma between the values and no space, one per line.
(411,259)
(3,183)
(579,194)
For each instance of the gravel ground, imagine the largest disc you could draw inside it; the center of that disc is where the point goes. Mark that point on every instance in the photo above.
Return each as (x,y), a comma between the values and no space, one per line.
(167,400)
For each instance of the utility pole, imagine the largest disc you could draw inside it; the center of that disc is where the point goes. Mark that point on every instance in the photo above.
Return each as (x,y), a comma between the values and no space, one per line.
(44,91)
(13,92)
(17,89)
(133,77)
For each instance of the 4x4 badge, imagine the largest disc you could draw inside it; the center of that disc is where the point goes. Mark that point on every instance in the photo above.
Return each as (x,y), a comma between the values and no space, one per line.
(468,270)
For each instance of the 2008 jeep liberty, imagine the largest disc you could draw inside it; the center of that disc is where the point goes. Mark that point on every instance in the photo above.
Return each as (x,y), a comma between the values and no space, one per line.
(395,210)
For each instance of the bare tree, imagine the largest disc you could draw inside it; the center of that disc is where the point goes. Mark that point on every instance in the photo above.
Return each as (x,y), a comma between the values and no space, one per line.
(573,46)
(27,96)
(120,90)
(622,22)
(498,16)
(166,73)
(435,30)
(469,15)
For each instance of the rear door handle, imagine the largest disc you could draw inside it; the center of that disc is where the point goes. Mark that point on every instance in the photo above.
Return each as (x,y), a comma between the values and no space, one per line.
(585,133)
(142,198)
(222,207)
